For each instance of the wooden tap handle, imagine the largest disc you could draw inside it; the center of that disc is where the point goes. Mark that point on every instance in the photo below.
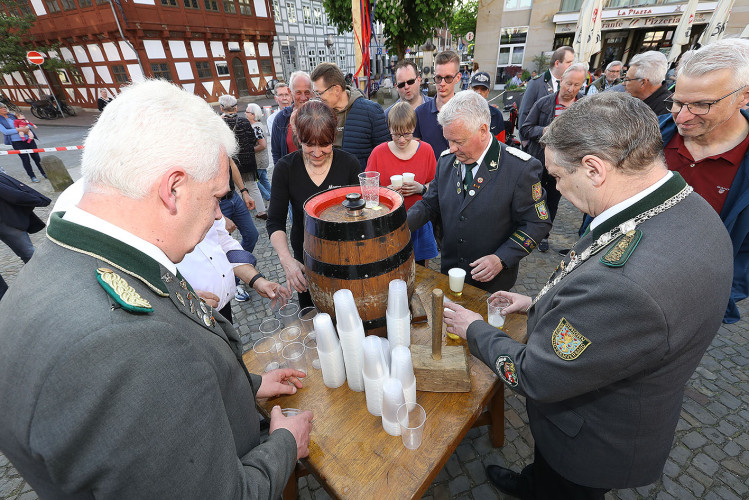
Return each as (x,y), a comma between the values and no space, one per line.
(437,309)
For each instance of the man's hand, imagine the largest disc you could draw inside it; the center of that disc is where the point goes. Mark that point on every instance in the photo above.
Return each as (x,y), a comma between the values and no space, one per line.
(248,200)
(294,274)
(458,318)
(210,299)
(518,303)
(277,294)
(281,381)
(411,187)
(486,268)
(299,426)
(230,226)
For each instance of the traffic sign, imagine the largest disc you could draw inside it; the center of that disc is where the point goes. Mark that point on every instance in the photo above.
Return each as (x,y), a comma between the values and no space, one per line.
(470,36)
(35,57)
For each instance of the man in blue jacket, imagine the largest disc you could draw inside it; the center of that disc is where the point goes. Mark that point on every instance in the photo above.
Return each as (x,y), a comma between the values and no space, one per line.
(706,139)
(301,92)
(361,122)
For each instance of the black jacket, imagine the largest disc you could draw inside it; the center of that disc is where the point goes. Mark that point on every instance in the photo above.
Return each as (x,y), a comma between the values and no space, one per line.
(17,202)
(245,134)
(656,101)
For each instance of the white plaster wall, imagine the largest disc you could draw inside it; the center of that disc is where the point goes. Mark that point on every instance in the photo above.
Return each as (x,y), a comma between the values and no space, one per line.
(184,71)
(104,74)
(110,49)
(198,48)
(178,49)
(154,49)
(217,49)
(127,52)
(136,74)
(80,54)
(96,54)
(263,49)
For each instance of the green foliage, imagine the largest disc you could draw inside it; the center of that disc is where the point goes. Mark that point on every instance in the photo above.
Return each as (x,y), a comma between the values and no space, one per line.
(464,18)
(15,41)
(542,62)
(406,22)
(526,75)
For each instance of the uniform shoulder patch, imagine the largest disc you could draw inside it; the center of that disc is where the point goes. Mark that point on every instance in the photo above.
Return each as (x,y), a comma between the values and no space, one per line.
(505,368)
(541,210)
(622,249)
(536,191)
(122,293)
(567,342)
(445,152)
(520,154)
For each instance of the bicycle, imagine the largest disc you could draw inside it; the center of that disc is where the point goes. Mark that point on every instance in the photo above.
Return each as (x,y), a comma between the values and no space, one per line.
(11,107)
(269,88)
(43,109)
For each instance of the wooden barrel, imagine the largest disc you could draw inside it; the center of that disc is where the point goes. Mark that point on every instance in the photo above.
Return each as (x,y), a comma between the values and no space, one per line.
(362,254)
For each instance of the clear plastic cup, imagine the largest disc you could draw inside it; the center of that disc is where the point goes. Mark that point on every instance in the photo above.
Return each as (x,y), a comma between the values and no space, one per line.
(374,361)
(293,354)
(288,314)
(268,352)
(392,399)
(310,346)
(370,188)
(398,299)
(270,327)
(327,338)
(290,412)
(457,277)
(412,419)
(306,317)
(289,335)
(496,311)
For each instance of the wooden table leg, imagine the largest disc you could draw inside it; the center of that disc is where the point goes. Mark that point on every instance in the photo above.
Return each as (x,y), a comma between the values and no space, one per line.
(497,413)
(290,491)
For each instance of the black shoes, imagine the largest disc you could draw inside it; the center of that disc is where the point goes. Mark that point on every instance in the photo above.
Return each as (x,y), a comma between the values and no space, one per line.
(543,246)
(509,482)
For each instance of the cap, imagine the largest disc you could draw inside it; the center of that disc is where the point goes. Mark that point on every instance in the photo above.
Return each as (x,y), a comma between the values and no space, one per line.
(481,78)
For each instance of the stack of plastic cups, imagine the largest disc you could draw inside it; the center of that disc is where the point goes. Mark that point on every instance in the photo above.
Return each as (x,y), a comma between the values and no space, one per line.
(329,352)
(385,344)
(402,368)
(397,315)
(351,333)
(392,398)
(374,374)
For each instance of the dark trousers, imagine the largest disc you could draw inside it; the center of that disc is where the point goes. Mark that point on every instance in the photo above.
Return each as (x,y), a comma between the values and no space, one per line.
(25,157)
(18,241)
(552,195)
(548,484)
(226,312)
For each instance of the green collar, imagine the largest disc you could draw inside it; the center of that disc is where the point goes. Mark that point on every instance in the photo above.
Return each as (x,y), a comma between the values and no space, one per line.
(668,190)
(88,241)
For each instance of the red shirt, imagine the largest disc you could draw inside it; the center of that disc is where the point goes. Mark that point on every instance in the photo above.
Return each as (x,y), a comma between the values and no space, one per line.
(710,177)
(290,146)
(422,164)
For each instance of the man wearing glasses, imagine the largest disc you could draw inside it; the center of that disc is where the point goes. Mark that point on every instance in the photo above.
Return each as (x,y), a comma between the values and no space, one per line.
(408,84)
(645,80)
(282,142)
(706,138)
(446,75)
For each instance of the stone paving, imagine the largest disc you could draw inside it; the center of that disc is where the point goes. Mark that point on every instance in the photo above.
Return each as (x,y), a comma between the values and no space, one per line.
(710,455)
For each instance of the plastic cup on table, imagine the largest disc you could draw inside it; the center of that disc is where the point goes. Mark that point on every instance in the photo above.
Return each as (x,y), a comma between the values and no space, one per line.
(290,412)
(457,277)
(270,327)
(293,354)
(288,314)
(398,299)
(496,311)
(370,188)
(268,352)
(306,316)
(412,421)
(392,399)
(310,347)
(290,334)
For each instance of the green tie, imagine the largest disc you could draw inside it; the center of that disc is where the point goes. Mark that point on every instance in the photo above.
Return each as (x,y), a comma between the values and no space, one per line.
(468,178)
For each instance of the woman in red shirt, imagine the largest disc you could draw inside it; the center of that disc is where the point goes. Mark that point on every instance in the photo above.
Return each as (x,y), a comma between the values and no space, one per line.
(405,155)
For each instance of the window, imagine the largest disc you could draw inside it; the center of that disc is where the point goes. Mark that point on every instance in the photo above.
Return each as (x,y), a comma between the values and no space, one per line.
(570,5)
(291,13)
(307,13)
(266,67)
(211,5)
(511,52)
(518,4)
(245,7)
(276,10)
(191,4)
(84,3)
(222,68)
(63,76)
(22,6)
(68,4)
(120,74)
(76,76)
(318,15)
(204,70)
(161,70)
(229,7)
(168,3)
(53,6)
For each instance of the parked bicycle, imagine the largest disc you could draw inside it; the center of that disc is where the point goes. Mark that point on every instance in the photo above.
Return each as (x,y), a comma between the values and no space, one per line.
(270,87)
(46,108)
(11,107)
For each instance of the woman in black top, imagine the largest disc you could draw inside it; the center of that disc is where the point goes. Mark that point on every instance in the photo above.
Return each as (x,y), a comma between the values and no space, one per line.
(313,169)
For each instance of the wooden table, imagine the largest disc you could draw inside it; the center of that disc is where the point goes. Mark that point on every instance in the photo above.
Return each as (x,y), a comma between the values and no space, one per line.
(353,457)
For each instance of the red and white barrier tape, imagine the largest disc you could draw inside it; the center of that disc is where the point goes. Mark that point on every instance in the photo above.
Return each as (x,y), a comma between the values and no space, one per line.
(40,150)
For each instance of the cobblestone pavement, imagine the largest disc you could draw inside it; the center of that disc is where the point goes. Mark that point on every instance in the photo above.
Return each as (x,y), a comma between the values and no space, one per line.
(710,455)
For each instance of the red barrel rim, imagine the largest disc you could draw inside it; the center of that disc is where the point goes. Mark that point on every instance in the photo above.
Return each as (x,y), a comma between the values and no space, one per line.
(319,202)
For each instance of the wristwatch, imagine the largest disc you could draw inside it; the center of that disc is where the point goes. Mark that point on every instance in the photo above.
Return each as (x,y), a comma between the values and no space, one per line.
(423,189)
(244,190)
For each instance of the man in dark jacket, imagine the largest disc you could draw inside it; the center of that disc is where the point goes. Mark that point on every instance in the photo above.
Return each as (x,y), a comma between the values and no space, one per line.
(645,80)
(281,140)
(609,79)
(361,123)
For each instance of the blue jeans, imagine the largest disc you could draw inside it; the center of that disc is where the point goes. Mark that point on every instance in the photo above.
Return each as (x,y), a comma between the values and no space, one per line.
(236,210)
(263,184)
(18,241)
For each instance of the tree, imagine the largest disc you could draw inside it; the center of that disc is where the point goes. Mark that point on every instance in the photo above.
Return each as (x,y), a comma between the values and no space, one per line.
(464,18)
(406,22)
(542,62)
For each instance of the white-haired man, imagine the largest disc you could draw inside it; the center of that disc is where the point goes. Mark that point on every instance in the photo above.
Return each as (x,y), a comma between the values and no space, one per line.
(645,80)
(487,198)
(125,385)
(609,79)
(622,323)
(706,139)
(282,96)
(281,142)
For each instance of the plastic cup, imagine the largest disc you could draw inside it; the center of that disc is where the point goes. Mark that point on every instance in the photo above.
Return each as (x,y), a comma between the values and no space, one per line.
(288,314)
(310,347)
(457,278)
(270,327)
(409,177)
(306,316)
(289,335)
(293,354)
(412,421)
(268,352)
(327,338)
(398,299)
(374,361)
(496,311)
(290,412)
(392,399)
(370,188)
(396,181)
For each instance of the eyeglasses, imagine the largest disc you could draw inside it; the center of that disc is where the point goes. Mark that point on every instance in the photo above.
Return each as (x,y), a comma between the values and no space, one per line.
(697,108)
(631,79)
(407,82)
(447,79)
(395,136)
(319,94)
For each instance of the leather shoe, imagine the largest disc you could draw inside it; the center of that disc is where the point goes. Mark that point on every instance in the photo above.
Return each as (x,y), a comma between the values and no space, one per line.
(543,246)
(262,216)
(509,482)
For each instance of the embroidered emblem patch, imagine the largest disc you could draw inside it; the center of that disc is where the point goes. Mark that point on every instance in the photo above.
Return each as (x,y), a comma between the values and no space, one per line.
(567,342)
(536,191)
(492,166)
(505,367)
(621,251)
(523,240)
(121,292)
(541,210)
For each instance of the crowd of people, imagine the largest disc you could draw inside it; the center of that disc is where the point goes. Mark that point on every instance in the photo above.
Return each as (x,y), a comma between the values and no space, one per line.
(659,178)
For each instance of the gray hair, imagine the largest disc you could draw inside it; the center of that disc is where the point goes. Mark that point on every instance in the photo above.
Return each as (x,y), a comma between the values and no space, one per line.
(467,106)
(731,54)
(227,101)
(3,105)
(123,155)
(613,126)
(576,67)
(614,63)
(280,85)
(298,74)
(255,110)
(652,65)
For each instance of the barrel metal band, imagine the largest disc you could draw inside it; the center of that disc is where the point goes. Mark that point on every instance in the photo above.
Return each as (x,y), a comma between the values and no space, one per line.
(358,271)
(375,323)
(355,230)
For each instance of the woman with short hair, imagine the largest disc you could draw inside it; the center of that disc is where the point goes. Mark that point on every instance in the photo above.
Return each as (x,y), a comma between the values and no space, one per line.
(314,168)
